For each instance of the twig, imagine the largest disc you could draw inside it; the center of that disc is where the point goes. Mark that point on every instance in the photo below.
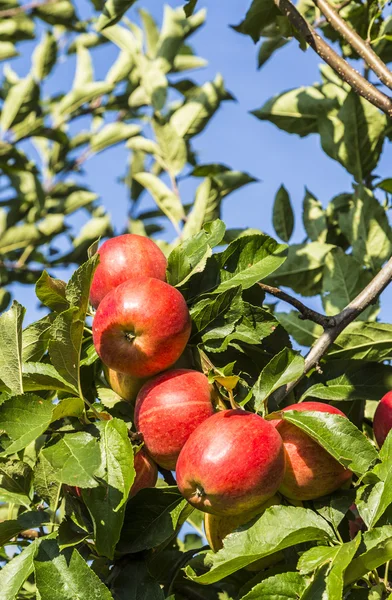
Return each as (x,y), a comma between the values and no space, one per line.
(12,12)
(360,46)
(306,313)
(344,318)
(337,63)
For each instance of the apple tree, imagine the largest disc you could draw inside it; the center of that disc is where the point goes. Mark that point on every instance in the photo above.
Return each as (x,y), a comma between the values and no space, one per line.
(69,527)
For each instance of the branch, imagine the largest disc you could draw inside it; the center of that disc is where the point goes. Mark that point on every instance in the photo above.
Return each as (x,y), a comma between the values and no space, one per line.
(344,318)
(360,46)
(306,313)
(12,12)
(358,83)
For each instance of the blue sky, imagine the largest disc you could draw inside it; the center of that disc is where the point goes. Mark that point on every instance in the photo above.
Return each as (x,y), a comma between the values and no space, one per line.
(234,136)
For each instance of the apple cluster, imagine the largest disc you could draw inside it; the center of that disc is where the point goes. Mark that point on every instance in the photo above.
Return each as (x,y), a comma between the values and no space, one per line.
(231,464)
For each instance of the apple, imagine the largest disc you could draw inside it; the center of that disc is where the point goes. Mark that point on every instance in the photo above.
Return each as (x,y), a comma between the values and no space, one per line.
(217,528)
(168,409)
(126,386)
(382,422)
(141,327)
(310,471)
(146,472)
(231,464)
(124,257)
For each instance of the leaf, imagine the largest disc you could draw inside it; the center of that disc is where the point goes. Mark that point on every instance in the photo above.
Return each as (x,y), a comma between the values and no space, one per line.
(106,503)
(335,507)
(166,200)
(373,500)
(28,234)
(14,574)
(16,412)
(21,93)
(151,32)
(51,292)
(112,12)
(44,56)
(268,48)
(354,136)
(77,97)
(76,459)
(315,221)
(283,216)
(374,551)
(46,484)
(7,50)
(134,582)
(260,14)
(27,520)
(112,134)
(42,376)
(305,333)
(84,73)
(347,380)
(152,518)
(11,345)
(367,341)
(35,339)
(68,407)
(283,586)
(15,482)
(316,557)
(72,576)
(172,147)
(285,367)
(338,436)
(153,82)
(278,528)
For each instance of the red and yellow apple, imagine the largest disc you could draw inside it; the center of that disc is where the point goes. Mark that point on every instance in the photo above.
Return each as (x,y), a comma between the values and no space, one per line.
(146,472)
(125,257)
(231,464)
(310,471)
(168,409)
(141,327)
(382,422)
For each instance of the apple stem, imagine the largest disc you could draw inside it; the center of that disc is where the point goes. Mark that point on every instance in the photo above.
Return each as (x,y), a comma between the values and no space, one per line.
(129,336)
(233,403)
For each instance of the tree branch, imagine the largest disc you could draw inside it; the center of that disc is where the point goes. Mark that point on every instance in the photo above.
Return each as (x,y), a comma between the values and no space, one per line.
(306,313)
(360,46)
(368,296)
(358,83)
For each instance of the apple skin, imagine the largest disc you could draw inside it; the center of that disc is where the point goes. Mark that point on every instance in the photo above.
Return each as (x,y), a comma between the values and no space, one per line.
(217,528)
(310,471)
(146,472)
(126,386)
(231,464)
(125,257)
(168,409)
(141,327)
(382,422)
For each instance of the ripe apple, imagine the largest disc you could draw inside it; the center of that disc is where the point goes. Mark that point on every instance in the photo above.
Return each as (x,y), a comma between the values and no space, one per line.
(124,257)
(217,528)
(124,385)
(231,464)
(168,409)
(141,327)
(146,472)
(310,471)
(382,422)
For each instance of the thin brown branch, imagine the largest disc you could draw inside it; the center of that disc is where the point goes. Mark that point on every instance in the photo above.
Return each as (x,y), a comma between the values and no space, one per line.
(360,46)
(356,81)
(13,12)
(368,296)
(306,313)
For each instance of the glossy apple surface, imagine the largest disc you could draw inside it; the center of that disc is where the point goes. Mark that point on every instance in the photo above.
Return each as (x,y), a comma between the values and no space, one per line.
(146,472)
(382,422)
(126,386)
(310,471)
(141,327)
(125,257)
(168,409)
(231,464)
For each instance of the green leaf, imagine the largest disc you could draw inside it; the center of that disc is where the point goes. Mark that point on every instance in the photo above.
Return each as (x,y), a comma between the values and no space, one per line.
(21,93)
(338,436)
(305,333)
(268,48)
(19,411)
(71,574)
(112,12)
(367,341)
(11,347)
(77,97)
(76,459)
(283,216)
(68,407)
(44,56)
(285,367)
(84,73)
(134,582)
(172,147)
(347,380)
(35,339)
(153,83)
(14,574)
(51,292)
(27,520)
(335,507)
(374,499)
(316,557)
(314,218)
(33,234)
(166,200)
(46,484)
(152,518)
(175,28)
(284,586)
(15,482)
(260,14)
(375,550)
(354,136)
(112,134)
(278,528)
(7,50)
(151,32)
(106,503)
(43,376)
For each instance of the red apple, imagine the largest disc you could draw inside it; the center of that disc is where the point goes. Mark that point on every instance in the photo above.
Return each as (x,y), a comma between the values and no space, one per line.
(168,409)
(124,257)
(146,472)
(231,464)
(382,422)
(310,471)
(126,386)
(141,327)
